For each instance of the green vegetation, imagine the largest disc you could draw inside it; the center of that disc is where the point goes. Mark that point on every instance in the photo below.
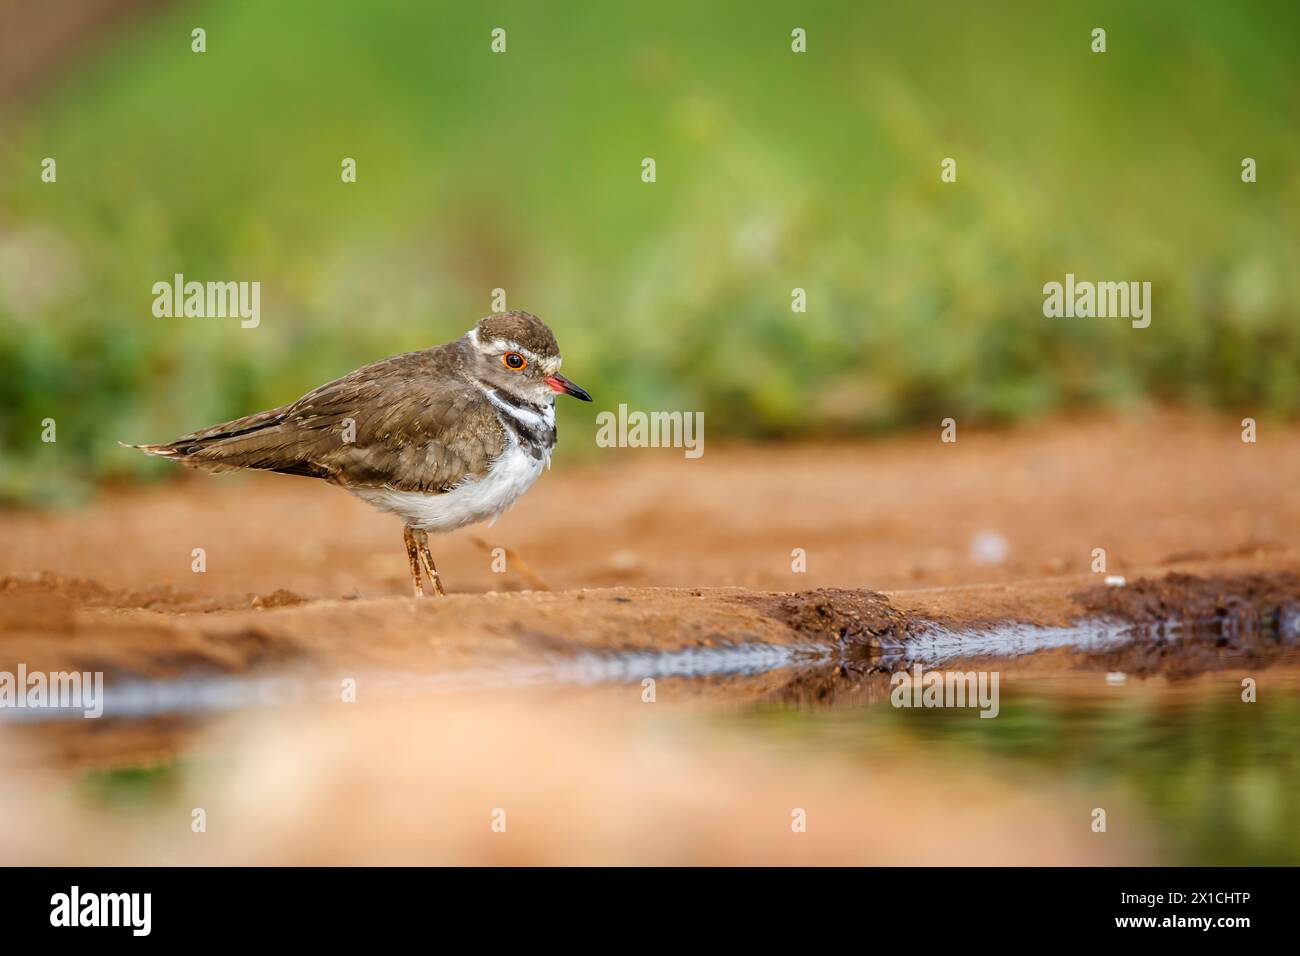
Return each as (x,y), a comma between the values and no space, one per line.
(131,787)
(775,171)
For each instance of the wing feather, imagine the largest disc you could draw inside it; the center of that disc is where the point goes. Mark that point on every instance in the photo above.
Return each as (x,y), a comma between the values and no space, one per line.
(405,422)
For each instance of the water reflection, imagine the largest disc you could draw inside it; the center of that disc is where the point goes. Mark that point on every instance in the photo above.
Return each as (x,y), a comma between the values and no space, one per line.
(1218,779)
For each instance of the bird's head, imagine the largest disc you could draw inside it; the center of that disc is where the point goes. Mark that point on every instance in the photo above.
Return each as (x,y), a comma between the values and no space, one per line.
(517,353)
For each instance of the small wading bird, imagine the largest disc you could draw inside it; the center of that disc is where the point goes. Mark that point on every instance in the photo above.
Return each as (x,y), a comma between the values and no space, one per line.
(442,438)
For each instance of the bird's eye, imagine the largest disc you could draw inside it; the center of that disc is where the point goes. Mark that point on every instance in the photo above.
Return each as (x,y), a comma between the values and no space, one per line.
(514,361)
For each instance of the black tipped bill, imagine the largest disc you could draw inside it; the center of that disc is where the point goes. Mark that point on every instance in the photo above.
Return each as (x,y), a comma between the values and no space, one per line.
(562,384)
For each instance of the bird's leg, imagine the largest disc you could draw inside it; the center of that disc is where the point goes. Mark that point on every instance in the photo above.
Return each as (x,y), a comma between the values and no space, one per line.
(413,556)
(426,558)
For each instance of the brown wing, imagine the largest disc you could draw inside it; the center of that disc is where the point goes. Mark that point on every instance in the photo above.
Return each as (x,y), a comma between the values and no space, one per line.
(409,429)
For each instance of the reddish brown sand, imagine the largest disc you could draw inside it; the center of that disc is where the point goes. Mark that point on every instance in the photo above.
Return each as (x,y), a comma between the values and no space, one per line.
(636,547)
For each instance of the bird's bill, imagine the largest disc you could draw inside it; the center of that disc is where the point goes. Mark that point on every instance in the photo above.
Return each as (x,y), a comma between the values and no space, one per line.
(564,386)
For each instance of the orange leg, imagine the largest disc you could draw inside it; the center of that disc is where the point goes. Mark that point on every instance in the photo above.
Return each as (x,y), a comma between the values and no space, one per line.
(414,557)
(426,558)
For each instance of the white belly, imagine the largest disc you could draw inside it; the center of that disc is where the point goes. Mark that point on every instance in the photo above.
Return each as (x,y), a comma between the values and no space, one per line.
(469,502)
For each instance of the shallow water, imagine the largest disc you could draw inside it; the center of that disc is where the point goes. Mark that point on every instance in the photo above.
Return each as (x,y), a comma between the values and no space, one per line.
(1214,779)
(135,700)
(930,646)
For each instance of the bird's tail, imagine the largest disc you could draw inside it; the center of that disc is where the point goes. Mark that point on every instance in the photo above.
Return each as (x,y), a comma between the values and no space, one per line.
(221,447)
(168,450)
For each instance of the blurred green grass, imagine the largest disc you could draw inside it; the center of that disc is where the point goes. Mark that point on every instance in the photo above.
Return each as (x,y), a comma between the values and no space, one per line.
(775,170)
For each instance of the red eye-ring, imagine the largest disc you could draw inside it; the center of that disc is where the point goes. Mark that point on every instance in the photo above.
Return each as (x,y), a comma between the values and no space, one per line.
(514,361)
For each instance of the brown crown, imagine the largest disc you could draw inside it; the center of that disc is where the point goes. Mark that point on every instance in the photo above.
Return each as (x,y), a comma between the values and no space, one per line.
(522,327)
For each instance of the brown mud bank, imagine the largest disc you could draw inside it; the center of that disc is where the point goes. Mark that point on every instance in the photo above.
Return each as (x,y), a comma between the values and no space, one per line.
(1177,625)
(860,549)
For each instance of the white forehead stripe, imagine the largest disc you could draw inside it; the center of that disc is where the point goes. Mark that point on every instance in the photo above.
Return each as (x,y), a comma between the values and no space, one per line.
(550,365)
(508,345)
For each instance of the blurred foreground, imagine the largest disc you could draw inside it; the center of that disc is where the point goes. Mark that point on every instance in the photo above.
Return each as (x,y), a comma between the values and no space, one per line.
(581,782)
